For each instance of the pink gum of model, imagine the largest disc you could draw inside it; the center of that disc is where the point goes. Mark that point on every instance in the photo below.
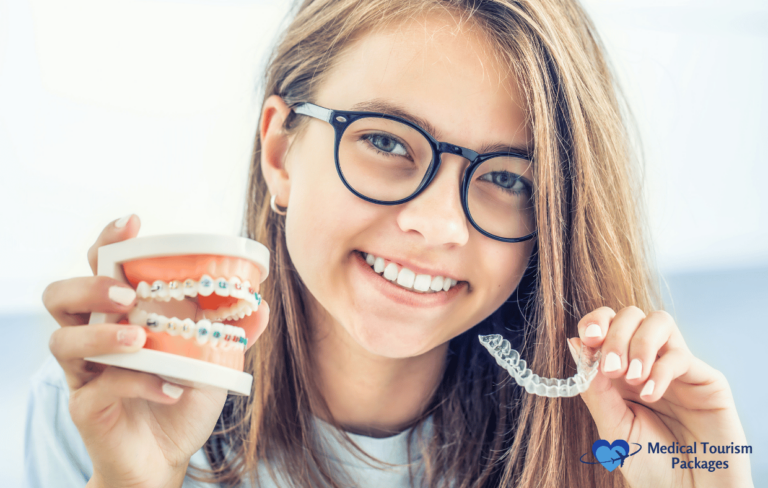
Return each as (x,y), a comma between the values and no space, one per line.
(194,266)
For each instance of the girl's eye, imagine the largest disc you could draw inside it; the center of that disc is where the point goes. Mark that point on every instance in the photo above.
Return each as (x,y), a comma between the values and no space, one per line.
(387,144)
(509,182)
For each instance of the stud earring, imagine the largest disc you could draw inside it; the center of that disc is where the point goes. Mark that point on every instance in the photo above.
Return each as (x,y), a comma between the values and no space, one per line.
(274,206)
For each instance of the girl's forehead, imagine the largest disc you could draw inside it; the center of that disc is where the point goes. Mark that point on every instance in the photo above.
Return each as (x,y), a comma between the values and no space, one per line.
(445,73)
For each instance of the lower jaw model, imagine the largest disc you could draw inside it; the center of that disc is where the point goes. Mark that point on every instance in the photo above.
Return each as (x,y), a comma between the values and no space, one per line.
(197,299)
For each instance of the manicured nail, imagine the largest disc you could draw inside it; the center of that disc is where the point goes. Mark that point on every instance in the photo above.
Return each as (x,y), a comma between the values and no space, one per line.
(122,294)
(121,223)
(172,390)
(128,336)
(612,362)
(648,388)
(593,330)
(635,369)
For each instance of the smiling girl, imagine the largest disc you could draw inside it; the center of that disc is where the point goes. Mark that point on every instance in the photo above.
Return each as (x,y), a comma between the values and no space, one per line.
(424,171)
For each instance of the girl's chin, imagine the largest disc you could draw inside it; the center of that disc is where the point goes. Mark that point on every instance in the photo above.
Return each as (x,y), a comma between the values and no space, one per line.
(389,342)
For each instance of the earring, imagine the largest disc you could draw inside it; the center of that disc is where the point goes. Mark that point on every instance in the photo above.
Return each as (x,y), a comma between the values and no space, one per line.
(274,206)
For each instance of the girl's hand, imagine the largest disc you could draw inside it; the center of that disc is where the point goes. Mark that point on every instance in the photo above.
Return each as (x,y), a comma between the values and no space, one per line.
(671,397)
(139,430)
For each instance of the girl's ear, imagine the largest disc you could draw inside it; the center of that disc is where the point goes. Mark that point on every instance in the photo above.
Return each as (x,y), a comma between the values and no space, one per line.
(274,147)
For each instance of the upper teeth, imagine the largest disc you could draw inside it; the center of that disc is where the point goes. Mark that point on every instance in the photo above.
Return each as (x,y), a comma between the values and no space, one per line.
(407,278)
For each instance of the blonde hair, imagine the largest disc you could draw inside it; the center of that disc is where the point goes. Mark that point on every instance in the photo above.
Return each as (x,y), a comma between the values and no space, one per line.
(590,252)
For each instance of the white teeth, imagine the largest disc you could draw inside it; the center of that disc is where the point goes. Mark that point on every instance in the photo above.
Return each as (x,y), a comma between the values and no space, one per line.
(143,290)
(162,323)
(221,287)
(176,290)
(236,288)
(217,331)
(421,283)
(159,290)
(187,328)
(391,272)
(229,332)
(190,288)
(151,321)
(203,331)
(408,279)
(226,337)
(205,286)
(405,278)
(437,283)
(174,326)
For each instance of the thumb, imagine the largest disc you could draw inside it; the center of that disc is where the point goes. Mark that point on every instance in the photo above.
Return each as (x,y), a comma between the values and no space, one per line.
(605,403)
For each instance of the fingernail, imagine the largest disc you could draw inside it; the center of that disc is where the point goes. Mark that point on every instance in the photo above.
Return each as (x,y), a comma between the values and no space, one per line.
(648,388)
(121,223)
(172,390)
(122,294)
(612,362)
(128,336)
(593,330)
(635,369)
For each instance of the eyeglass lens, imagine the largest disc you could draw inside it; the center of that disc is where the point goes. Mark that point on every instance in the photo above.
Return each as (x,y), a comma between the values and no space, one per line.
(387,160)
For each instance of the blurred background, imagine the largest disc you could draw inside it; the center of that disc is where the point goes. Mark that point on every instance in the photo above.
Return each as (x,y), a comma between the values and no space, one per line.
(111,107)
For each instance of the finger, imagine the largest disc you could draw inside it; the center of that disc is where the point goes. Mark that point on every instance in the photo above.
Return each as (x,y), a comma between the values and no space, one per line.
(668,367)
(69,345)
(594,326)
(90,405)
(605,403)
(116,231)
(647,344)
(615,347)
(71,301)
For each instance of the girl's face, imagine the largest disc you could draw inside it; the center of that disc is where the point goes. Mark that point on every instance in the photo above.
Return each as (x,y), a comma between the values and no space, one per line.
(448,77)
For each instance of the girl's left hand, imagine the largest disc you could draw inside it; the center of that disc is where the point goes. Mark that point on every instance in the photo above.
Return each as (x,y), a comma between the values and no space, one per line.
(650,389)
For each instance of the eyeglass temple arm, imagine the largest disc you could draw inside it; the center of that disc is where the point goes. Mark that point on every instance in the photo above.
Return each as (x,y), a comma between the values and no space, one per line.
(315,111)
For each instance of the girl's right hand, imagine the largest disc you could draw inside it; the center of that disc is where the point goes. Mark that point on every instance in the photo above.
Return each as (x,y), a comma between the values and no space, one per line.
(139,430)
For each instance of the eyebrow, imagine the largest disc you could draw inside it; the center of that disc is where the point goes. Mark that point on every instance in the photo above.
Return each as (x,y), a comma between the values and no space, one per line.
(390,108)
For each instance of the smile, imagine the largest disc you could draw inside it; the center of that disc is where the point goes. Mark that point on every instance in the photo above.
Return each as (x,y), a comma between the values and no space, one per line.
(405,278)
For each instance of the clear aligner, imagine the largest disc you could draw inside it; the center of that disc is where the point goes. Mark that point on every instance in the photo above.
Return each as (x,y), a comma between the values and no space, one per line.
(509,359)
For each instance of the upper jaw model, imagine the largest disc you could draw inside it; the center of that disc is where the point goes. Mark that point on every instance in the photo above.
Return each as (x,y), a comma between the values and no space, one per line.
(197,299)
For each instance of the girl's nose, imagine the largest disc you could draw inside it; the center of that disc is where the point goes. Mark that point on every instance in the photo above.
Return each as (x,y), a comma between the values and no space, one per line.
(437,213)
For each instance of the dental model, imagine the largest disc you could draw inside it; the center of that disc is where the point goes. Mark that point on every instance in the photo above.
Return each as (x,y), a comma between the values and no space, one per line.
(196,298)
(509,359)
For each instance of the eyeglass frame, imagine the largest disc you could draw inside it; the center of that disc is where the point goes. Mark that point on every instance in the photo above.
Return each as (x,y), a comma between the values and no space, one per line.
(341,119)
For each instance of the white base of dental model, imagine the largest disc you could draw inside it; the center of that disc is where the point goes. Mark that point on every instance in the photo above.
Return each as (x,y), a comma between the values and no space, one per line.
(509,359)
(172,367)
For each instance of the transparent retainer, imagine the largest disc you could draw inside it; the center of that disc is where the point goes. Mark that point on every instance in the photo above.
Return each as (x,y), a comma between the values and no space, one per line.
(509,359)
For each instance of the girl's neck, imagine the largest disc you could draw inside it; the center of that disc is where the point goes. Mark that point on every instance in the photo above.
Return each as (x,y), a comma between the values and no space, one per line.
(368,394)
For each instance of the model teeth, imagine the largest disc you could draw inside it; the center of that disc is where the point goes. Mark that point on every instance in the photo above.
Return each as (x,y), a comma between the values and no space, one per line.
(248,299)
(406,278)
(216,334)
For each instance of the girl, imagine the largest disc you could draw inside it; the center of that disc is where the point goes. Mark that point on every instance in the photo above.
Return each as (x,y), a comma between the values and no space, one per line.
(474,146)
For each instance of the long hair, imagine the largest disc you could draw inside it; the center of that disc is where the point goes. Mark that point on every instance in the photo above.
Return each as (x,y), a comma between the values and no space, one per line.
(590,252)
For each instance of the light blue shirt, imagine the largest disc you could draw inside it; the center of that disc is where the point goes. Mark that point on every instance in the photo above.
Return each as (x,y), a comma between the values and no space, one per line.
(55,455)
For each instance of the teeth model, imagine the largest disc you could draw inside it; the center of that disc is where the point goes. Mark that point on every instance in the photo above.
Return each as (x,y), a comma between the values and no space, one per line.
(406,278)
(509,359)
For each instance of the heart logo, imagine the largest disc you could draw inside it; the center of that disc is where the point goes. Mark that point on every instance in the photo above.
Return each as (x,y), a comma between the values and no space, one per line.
(612,455)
